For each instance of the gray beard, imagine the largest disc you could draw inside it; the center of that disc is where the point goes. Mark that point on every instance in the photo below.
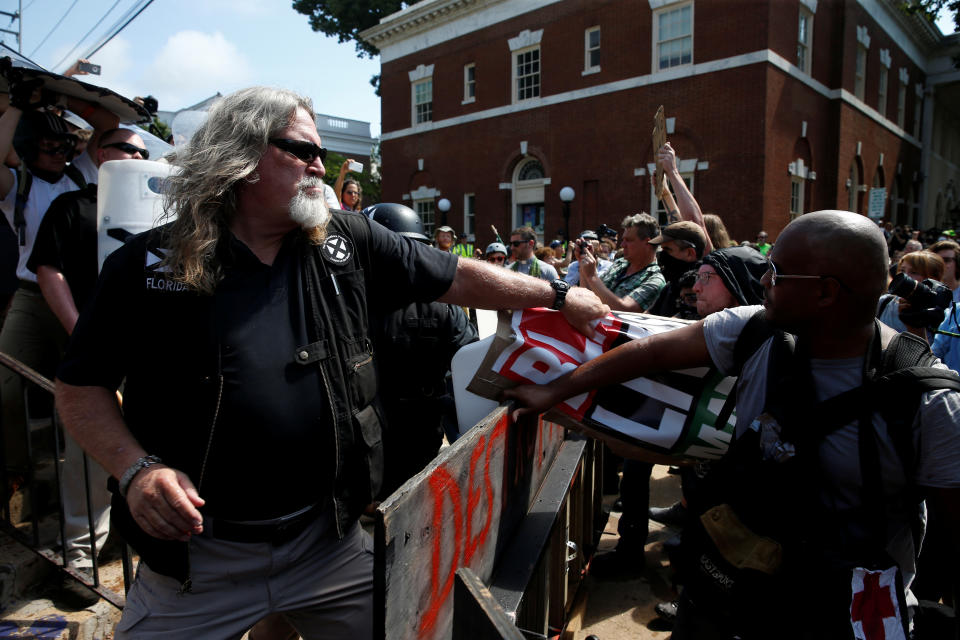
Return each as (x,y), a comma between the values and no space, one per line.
(309,211)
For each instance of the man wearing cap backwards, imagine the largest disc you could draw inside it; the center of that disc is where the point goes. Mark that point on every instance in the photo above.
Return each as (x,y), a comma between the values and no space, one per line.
(31,333)
(832,319)
(496,253)
(250,439)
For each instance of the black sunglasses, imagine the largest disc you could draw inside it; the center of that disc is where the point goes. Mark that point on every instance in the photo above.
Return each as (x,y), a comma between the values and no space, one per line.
(126,147)
(306,151)
(517,243)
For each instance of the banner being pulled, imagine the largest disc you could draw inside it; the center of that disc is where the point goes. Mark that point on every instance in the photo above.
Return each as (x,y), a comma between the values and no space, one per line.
(669,414)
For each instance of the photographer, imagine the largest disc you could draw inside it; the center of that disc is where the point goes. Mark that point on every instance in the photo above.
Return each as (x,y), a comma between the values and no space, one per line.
(586,239)
(921,308)
(634,281)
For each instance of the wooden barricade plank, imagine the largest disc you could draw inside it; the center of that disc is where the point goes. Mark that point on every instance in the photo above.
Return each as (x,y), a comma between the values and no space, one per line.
(460,511)
(477,616)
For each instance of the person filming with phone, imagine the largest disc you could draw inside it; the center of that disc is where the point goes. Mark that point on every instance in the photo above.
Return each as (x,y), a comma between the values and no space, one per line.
(348,189)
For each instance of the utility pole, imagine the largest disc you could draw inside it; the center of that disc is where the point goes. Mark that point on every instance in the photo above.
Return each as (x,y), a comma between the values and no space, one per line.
(16,16)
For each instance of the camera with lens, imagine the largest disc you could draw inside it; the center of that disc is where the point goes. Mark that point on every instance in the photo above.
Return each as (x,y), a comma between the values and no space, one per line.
(603,231)
(927,300)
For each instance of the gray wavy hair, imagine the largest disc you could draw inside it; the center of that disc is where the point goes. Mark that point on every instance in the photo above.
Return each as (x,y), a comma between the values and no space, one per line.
(223,151)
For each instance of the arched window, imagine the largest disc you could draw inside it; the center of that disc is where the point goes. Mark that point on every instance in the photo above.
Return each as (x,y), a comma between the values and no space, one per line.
(530,170)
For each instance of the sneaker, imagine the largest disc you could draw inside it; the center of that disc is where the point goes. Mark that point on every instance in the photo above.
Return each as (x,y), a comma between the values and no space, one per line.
(667,610)
(674,515)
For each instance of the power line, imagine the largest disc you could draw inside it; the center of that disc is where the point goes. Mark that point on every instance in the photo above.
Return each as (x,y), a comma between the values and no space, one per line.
(59,22)
(117,32)
(86,35)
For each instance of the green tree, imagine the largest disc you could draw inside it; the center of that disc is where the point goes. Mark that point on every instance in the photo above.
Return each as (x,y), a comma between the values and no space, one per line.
(369,180)
(345,19)
(930,9)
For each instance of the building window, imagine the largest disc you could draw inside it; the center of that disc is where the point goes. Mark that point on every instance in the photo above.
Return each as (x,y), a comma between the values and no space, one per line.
(882,92)
(673,37)
(656,204)
(423,101)
(853,188)
(424,209)
(901,105)
(469,83)
(469,214)
(591,50)
(804,39)
(860,79)
(796,197)
(526,74)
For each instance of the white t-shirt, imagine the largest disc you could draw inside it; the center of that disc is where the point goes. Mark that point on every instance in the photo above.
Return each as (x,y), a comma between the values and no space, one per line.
(42,193)
(88,168)
(936,431)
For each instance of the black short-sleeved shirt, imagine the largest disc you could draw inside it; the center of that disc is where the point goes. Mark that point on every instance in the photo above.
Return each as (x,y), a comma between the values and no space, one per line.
(67,241)
(266,453)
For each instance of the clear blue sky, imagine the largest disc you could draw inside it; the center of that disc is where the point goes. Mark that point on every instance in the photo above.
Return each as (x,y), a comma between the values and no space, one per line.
(182,51)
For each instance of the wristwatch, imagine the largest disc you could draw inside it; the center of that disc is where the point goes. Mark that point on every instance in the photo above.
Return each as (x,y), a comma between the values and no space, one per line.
(561,287)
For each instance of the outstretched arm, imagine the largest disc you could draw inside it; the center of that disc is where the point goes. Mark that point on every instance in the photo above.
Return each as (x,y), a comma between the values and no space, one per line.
(162,500)
(483,286)
(338,186)
(681,348)
(685,204)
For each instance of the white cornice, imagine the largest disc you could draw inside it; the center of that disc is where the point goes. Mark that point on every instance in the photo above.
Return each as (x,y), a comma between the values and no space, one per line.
(430,22)
(762,56)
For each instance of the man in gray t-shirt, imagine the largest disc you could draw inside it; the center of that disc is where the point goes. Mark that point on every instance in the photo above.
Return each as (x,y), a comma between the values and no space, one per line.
(826,273)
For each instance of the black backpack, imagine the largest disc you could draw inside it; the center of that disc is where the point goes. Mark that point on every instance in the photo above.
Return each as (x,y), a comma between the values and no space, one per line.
(755,548)
(24,183)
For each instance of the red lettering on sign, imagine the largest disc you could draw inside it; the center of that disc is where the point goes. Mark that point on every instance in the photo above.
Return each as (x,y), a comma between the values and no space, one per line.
(441,482)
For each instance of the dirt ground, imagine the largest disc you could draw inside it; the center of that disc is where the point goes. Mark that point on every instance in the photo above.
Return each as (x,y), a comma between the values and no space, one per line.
(622,609)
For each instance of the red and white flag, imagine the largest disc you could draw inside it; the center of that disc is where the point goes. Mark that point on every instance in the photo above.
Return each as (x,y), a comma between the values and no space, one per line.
(875,605)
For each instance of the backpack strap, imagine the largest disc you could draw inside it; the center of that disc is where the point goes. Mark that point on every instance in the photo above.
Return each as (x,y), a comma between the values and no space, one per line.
(883,305)
(76,176)
(751,338)
(24,182)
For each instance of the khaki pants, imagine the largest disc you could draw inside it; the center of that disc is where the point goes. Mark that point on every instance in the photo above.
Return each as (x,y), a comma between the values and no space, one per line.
(322,585)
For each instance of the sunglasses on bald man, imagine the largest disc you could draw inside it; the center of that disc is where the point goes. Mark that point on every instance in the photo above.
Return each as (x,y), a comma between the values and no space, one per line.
(126,147)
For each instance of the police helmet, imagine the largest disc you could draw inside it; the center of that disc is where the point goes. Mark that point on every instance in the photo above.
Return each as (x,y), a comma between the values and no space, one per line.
(398,218)
(495,247)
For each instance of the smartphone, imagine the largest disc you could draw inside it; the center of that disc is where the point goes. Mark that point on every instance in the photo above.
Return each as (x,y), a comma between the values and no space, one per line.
(356,166)
(89,67)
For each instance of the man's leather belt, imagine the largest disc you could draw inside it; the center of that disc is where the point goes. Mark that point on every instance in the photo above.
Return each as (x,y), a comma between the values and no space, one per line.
(276,531)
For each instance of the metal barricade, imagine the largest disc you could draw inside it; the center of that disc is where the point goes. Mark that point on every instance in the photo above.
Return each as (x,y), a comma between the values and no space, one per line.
(30,535)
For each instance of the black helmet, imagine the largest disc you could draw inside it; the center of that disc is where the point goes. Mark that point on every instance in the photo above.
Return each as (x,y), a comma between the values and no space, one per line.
(397,218)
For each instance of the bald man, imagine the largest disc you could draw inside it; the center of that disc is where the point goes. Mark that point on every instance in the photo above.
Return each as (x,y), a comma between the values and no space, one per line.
(825,275)
(64,257)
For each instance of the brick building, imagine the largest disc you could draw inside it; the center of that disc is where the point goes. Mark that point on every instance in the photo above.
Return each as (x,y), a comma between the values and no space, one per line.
(775,108)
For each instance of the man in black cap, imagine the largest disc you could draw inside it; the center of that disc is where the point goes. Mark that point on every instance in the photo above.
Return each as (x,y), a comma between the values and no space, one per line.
(31,332)
(729,278)
(681,245)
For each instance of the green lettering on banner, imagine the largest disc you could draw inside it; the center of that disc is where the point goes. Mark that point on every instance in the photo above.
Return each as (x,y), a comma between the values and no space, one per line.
(703,438)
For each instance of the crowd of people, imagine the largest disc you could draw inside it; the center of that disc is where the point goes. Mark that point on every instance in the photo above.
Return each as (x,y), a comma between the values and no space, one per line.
(227,468)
